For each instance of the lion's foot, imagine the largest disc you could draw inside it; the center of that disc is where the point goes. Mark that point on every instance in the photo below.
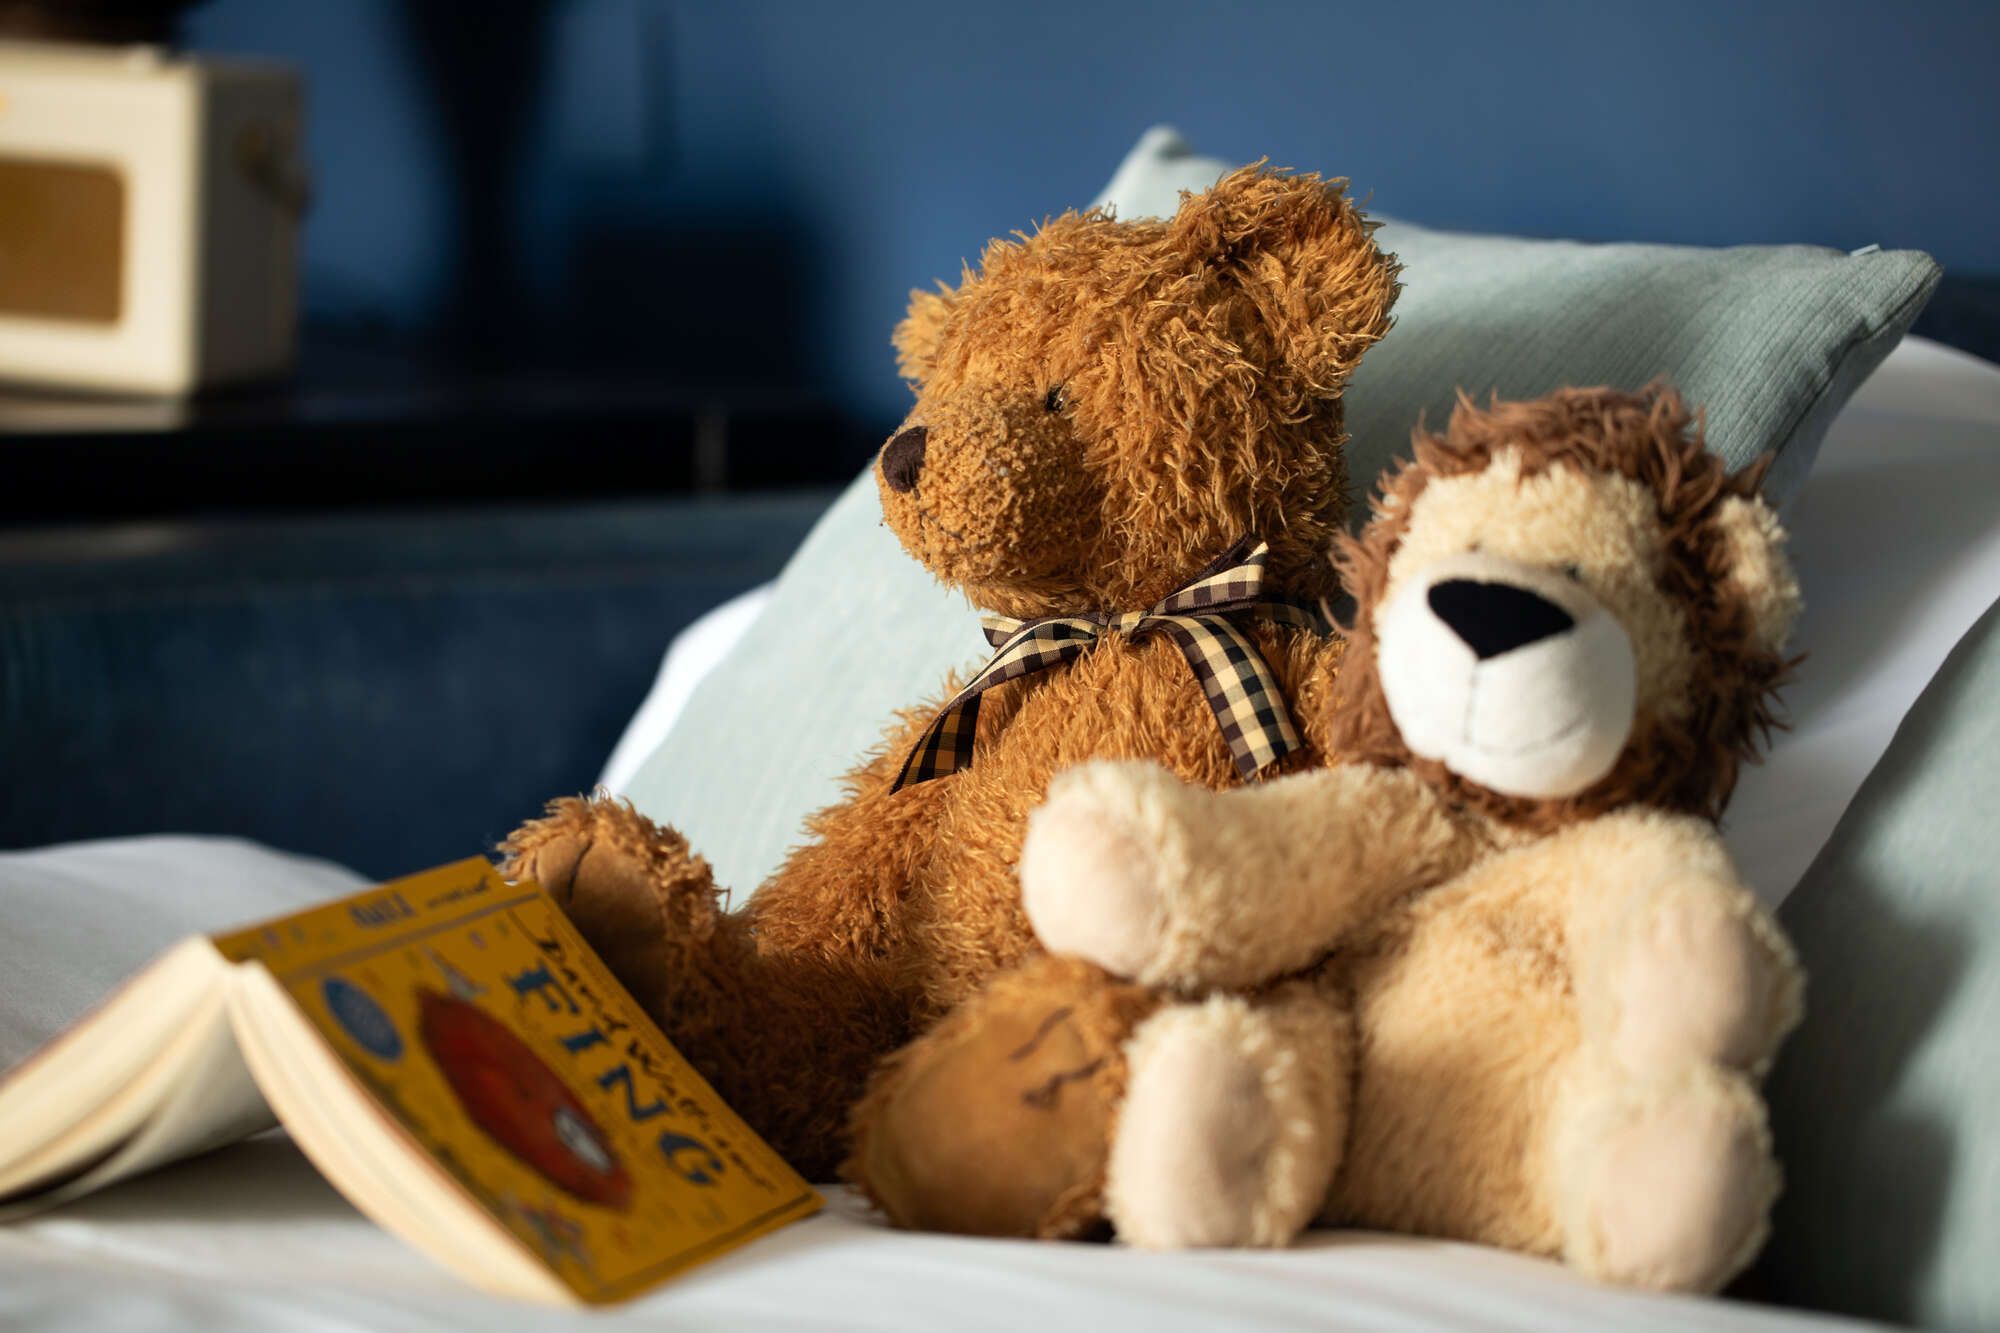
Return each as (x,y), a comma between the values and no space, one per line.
(1667,1183)
(1233,1119)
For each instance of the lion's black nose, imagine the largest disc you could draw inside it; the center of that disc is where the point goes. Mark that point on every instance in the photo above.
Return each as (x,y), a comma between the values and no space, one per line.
(1496,618)
(903,458)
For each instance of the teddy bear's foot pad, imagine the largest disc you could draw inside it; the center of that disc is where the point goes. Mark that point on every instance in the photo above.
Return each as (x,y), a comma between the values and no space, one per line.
(995,1122)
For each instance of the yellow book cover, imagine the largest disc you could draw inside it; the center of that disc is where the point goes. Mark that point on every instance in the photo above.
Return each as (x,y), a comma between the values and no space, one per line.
(493,1038)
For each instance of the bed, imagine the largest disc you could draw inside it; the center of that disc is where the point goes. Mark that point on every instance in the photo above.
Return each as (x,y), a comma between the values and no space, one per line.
(1898,542)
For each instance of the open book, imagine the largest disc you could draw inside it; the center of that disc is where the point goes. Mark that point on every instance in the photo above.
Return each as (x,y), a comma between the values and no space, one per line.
(454,1059)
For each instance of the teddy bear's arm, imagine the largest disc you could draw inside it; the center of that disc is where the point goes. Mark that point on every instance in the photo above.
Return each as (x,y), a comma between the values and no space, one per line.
(1672,957)
(1176,885)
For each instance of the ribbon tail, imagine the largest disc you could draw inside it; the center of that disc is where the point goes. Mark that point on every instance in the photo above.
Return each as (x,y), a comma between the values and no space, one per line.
(946,744)
(1242,693)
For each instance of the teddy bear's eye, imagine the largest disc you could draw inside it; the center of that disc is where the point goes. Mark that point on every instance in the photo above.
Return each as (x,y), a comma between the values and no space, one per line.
(1572,573)
(1056,400)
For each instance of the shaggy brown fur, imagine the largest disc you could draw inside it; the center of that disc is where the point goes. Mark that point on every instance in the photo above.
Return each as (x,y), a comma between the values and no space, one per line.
(1108,406)
(1688,764)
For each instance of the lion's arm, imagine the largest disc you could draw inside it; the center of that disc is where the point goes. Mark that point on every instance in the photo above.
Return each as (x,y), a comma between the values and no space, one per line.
(1175,885)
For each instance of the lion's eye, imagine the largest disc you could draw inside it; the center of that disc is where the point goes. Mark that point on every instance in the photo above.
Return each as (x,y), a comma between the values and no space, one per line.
(1056,400)
(1572,573)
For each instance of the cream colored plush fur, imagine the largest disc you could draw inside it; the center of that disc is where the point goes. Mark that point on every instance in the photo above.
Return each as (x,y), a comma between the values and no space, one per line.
(1541,1032)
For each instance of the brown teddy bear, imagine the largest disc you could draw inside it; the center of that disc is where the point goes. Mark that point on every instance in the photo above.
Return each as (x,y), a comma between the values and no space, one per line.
(1545,993)
(1112,419)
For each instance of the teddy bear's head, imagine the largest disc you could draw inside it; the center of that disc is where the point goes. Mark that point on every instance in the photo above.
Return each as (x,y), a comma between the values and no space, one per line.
(1103,407)
(1563,606)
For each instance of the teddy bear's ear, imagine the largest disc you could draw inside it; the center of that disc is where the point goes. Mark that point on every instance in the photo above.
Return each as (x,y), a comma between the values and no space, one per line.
(920,331)
(1758,570)
(1304,256)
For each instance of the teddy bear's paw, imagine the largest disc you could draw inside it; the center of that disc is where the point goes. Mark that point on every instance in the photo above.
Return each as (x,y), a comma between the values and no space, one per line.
(1705,975)
(1221,1140)
(1671,1182)
(626,883)
(1097,864)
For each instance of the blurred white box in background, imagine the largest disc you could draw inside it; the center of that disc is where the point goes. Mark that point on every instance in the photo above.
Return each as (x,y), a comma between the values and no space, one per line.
(149,213)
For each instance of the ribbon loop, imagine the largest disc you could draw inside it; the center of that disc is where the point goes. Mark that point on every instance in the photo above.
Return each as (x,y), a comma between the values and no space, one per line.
(1235,679)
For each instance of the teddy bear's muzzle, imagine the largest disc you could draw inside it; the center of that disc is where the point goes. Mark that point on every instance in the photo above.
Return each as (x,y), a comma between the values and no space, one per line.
(903,459)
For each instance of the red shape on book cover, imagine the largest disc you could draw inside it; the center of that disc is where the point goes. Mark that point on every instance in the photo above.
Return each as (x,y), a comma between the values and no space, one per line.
(512,1094)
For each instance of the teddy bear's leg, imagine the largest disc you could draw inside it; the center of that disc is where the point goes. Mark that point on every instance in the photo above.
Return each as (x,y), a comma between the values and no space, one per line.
(997,1121)
(1234,1119)
(1661,1181)
(786,1038)
(1676,961)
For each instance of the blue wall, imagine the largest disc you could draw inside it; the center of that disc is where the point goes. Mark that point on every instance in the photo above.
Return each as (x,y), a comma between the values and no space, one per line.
(751,188)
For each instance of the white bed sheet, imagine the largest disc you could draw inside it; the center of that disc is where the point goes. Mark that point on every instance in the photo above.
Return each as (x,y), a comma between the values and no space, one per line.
(252,1239)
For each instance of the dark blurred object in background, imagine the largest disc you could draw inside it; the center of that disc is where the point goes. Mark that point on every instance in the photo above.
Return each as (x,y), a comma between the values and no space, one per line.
(116,22)
(483,83)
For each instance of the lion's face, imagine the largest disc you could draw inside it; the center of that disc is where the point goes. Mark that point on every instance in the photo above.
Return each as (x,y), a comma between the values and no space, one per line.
(1525,627)
(1565,618)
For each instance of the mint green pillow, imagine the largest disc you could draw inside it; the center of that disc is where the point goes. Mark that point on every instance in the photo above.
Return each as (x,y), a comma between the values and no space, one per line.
(1771,340)
(1886,1102)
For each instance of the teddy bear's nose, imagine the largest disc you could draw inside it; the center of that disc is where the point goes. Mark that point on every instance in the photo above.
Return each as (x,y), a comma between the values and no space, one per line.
(1496,618)
(903,458)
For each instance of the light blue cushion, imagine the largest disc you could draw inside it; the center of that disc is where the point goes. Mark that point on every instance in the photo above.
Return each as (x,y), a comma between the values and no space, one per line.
(1886,1102)
(1771,340)
(855,630)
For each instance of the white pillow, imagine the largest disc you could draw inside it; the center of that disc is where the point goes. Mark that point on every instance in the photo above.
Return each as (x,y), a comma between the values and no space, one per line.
(692,654)
(78,919)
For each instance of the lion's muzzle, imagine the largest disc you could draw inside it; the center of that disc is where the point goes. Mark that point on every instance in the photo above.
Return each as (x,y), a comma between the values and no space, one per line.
(1512,676)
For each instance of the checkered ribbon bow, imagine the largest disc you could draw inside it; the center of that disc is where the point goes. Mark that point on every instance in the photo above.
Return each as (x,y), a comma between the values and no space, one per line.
(1248,706)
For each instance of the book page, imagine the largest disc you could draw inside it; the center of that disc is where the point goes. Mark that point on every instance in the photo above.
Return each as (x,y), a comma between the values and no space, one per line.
(476,1018)
(205,1100)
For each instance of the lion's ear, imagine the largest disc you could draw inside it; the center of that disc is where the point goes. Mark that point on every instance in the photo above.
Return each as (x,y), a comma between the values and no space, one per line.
(1305,256)
(921,330)
(1758,569)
